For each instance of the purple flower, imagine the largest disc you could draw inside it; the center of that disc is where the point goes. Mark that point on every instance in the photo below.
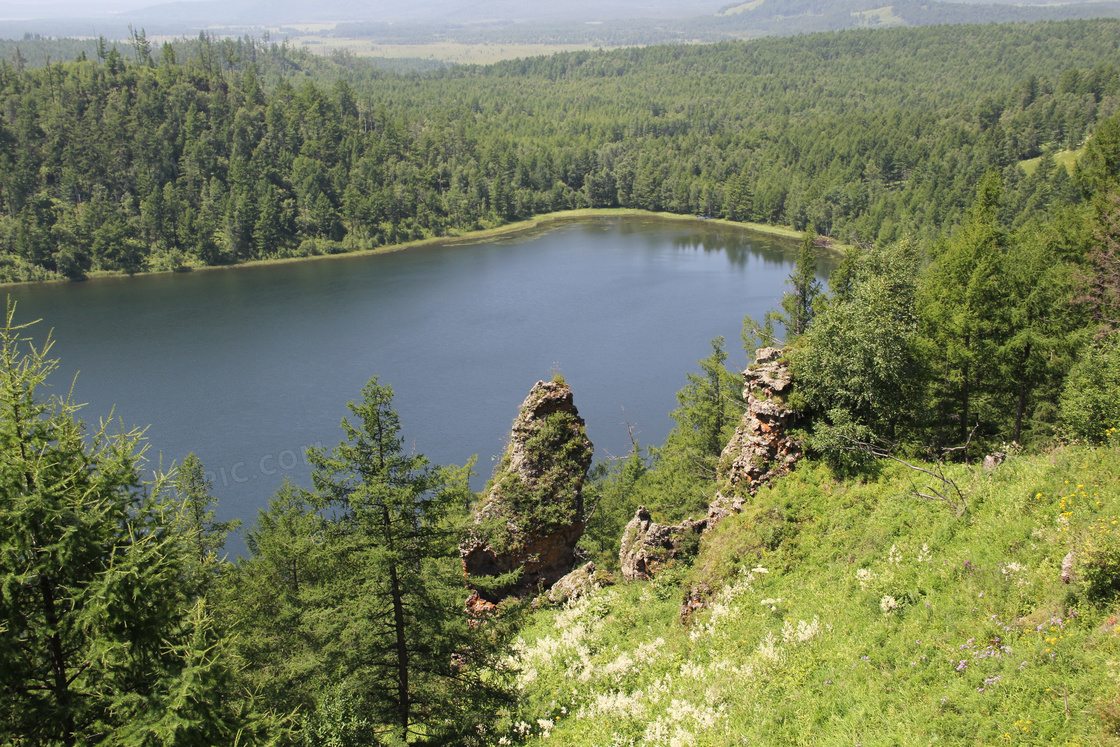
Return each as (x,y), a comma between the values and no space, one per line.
(963,665)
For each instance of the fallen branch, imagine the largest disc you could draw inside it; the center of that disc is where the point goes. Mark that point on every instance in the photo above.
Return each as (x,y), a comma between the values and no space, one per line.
(959,506)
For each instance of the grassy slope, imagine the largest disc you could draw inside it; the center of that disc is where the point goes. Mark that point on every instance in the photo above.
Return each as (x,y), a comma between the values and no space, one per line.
(880,619)
(1065,158)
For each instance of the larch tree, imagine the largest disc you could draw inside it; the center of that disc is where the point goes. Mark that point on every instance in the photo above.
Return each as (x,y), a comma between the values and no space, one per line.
(367,629)
(798,303)
(103,637)
(204,535)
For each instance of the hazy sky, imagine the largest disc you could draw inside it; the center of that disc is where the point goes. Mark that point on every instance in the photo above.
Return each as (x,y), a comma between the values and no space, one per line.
(71,8)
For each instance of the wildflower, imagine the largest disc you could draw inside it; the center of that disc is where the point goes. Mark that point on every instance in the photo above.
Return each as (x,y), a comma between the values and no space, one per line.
(888,604)
(768,649)
(963,665)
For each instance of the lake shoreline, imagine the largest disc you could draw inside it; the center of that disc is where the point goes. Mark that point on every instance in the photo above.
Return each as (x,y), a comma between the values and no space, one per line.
(470,237)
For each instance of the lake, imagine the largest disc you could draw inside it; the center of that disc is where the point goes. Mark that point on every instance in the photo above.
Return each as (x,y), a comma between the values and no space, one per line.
(247,366)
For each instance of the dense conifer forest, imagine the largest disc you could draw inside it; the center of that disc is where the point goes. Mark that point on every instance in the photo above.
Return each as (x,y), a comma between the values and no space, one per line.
(887,590)
(209,152)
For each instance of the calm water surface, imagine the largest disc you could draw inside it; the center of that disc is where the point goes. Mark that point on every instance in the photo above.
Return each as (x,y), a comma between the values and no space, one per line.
(246,367)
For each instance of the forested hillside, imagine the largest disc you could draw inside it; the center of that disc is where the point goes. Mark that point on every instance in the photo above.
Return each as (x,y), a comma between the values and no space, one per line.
(221,153)
(932,554)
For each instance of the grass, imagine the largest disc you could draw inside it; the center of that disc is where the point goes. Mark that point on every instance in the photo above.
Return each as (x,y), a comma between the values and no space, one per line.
(854,613)
(1065,158)
(735,10)
(886,16)
(464,54)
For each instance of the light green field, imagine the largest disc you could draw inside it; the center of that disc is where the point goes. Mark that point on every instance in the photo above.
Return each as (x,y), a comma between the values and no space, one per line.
(742,8)
(1065,158)
(850,613)
(887,16)
(463,54)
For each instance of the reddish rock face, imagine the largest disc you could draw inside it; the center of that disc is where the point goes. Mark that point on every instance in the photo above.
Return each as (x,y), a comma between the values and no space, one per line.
(532,517)
(761,449)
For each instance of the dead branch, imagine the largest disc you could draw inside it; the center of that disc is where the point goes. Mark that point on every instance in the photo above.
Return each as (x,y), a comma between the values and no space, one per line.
(959,506)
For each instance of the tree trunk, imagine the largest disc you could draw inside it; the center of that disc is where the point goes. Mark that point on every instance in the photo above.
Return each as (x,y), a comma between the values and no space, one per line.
(57,658)
(395,591)
(403,705)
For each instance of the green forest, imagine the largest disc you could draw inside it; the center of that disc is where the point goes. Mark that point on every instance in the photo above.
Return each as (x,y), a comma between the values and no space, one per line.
(888,590)
(218,152)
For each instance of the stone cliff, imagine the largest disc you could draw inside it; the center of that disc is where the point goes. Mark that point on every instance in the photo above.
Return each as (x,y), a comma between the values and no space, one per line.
(525,532)
(760,451)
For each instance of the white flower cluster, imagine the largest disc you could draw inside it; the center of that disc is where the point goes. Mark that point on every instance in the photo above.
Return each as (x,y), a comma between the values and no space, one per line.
(894,557)
(681,722)
(578,625)
(771,603)
(615,705)
(721,605)
(888,604)
(803,632)
(865,577)
(925,554)
(769,650)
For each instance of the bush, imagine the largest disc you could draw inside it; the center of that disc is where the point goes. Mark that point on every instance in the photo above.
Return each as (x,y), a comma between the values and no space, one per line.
(1098,565)
(1089,405)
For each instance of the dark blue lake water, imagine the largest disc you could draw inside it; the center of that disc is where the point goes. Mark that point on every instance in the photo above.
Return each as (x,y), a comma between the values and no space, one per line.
(246,367)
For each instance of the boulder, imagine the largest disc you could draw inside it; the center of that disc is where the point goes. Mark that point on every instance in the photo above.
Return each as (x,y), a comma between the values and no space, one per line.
(1069,567)
(524,534)
(579,582)
(993,460)
(648,546)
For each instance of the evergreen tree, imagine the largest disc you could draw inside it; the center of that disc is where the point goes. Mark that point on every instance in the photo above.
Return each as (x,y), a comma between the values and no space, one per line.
(204,536)
(963,307)
(710,406)
(355,595)
(103,639)
(798,304)
(405,649)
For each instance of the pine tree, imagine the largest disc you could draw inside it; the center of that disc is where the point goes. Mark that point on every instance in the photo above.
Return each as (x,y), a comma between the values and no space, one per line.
(798,304)
(204,536)
(405,634)
(355,594)
(104,638)
(711,404)
(964,310)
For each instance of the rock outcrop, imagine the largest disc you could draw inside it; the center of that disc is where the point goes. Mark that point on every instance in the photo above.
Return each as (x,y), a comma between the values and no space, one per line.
(525,532)
(761,449)
(579,582)
(648,546)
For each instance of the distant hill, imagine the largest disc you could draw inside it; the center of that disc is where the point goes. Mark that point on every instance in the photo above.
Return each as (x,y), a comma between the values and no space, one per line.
(573,22)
